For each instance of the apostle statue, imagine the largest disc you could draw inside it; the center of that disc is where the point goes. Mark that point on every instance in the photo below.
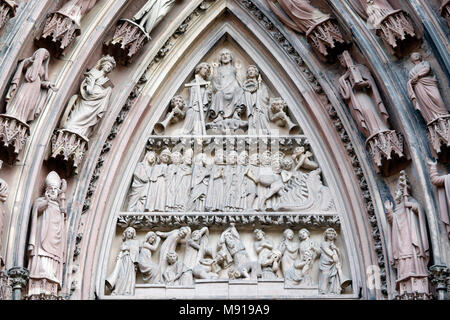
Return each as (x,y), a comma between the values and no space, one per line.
(85,110)
(199,184)
(216,190)
(149,269)
(137,197)
(122,280)
(3,218)
(358,89)
(408,240)
(423,89)
(231,179)
(25,90)
(152,13)
(443,185)
(157,192)
(46,246)
(200,96)
(227,92)
(331,277)
(257,100)
(171,179)
(183,182)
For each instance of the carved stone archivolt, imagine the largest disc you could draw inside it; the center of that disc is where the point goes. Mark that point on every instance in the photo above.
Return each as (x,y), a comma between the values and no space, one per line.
(321,30)
(83,112)
(7,11)
(62,27)
(359,90)
(130,36)
(23,99)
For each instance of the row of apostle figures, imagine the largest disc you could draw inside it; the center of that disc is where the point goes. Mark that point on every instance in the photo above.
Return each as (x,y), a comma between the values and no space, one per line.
(291,260)
(231,182)
(222,103)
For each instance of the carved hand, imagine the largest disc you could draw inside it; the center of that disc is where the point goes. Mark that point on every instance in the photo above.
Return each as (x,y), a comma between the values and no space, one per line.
(388,205)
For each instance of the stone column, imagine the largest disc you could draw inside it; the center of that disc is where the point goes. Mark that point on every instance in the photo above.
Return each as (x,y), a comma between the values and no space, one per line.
(19,278)
(440,278)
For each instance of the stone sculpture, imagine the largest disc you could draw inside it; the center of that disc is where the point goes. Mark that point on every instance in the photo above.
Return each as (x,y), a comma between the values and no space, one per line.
(156,199)
(443,185)
(172,239)
(175,273)
(445,10)
(46,246)
(83,113)
(268,258)
(63,26)
(235,255)
(322,32)
(309,251)
(423,90)
(183,182)
(7,11)
(257,100)
(408,241)
(139,192)
(177,114)
(331,278)
(22,101)
(200,184)
(228,96)
(130,36)
(278,115)
(149,269)
(289,250)
(216,191)
(394,27)
(200,96)
(196,248)
(359,90)
(122,280)
(171,179)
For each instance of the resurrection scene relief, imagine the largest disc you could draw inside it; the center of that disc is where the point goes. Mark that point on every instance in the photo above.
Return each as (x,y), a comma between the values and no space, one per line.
(228,199)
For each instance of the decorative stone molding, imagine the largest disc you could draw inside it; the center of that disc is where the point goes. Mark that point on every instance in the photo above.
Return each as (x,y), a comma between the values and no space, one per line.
(7,11)
(69,146)
(129,38)
(13,134)
(438,133)
(440,278)
(18,277)
(385,147)
(146,221)
(62,27)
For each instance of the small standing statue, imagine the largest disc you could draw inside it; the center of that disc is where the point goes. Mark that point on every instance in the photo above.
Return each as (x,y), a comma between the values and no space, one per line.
(443,185)
(257,100)
(322,32)
(268,258)
(331,277)
(196,248)
(408,242)
(149,269)
(200,185)
(176,114)
(278,114)
(3,197)
(137,197)
(63,26)
(83,113)
(22,101)
(122,280)
(156,198)
(183,181)
(423,89)
(171,180)
(131,35)
(200,96)
(393,26)
(7,11)
(216,190)
(359,90)
(289,249)
(176,273)
(46,247)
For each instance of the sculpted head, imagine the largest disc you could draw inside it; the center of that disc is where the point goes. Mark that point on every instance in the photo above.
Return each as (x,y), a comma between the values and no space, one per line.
(204,70)
(266,158)
(416,58)
(252,72)
(218,157)
(243,158)
(196,235)
(176,157)
(129,234)
(183,232)
(232,157)
(150,237)
(226,56)
(303,234)
(106,64)
(278,104)
(53,186)
(177,102)
(188,155)
(165,156)
(254,159)
(150,157)
(171,257)
(330,234)
(259,234)
(288,234)
(287,163)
